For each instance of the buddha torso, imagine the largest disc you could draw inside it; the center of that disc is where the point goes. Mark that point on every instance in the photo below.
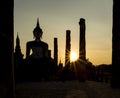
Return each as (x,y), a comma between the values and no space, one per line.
(39,49)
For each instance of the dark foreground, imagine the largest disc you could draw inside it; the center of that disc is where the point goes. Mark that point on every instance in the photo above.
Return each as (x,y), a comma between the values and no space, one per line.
(67,89)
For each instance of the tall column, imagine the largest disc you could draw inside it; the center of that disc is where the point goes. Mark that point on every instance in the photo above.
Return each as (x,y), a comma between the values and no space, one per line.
(7,47)
(82,42)
(116,45)
(49,53)
(68,48)
(56,51)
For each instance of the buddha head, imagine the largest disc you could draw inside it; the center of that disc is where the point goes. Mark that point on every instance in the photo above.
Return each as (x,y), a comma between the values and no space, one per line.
(37,32)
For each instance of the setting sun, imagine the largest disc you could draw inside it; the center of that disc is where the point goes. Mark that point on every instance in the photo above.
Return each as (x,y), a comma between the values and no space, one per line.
(73,56)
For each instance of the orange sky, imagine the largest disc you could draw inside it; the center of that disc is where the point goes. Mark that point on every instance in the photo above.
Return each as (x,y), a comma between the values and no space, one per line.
(58,16)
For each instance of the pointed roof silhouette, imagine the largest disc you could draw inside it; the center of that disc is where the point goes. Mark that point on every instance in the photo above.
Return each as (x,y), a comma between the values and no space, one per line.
(17,47)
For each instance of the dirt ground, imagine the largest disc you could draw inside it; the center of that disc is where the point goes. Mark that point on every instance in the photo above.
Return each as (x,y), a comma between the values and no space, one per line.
(67,89)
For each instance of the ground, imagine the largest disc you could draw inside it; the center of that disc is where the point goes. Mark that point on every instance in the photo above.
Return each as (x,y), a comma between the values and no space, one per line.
(67,89)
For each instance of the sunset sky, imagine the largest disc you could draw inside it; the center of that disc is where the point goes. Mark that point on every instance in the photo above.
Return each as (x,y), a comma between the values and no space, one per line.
(57,16)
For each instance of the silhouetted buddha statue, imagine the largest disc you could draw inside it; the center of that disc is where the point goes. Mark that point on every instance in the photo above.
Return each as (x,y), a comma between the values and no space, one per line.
(37,60)
(38,47)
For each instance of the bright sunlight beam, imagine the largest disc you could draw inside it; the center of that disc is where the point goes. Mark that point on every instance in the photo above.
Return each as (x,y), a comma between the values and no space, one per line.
(73,56)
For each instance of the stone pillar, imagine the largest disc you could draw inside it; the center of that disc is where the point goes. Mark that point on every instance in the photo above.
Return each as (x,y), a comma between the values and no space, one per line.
(116,45)
(68,48)
(7,48)
(49,53)
(82,41)
(56,51)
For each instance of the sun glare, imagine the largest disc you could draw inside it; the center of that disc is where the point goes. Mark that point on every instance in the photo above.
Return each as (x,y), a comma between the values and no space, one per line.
(73,56)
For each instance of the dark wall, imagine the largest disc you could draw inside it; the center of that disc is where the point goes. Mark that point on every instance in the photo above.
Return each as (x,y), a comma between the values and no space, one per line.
(6,36)
(116,45)
(6,45)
